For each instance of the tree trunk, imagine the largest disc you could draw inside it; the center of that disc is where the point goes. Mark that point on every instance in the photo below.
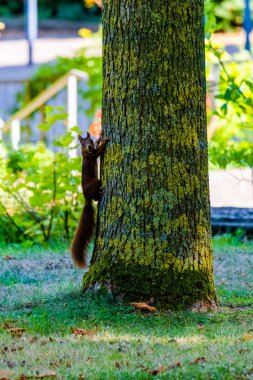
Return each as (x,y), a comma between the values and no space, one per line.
(153,238)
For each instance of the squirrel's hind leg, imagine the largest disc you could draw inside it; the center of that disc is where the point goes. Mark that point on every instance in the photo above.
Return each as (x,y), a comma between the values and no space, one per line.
(91,190)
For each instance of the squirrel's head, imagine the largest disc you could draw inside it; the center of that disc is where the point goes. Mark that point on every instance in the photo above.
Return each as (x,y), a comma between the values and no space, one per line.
(87,144)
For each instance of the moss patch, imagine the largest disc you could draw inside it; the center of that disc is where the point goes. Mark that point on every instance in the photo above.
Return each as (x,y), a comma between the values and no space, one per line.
(171,288)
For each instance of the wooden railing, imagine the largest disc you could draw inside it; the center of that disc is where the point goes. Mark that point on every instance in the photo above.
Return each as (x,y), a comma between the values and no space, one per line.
(68,80)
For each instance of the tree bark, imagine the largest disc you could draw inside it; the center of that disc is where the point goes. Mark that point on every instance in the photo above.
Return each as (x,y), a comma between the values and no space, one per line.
(153,238)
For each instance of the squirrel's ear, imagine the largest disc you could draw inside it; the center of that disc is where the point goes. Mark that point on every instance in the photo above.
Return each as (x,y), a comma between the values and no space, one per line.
(88,135)
(80,138)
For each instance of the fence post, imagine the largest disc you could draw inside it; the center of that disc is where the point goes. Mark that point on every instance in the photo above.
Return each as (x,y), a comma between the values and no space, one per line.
(31,13)
(72,110)
(15,133)
(1,126)
(247,24)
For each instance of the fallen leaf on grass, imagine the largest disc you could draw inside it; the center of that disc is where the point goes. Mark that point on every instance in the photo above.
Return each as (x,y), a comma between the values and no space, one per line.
(4,374)
(8,323)
(83,332)
(202,306)
(201,327)
(9,258)
(29,339)
(243,351)
(175,365)
(155,371)
(172,340)
(247,337)
(200,360)
(45,375)
(6,349)
(16,331)
(13,330)
(142,306)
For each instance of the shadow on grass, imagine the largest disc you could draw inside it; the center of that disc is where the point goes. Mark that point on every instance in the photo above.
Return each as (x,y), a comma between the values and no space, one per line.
(56,315)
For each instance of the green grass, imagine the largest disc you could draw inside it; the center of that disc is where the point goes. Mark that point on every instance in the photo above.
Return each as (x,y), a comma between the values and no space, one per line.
(40,291)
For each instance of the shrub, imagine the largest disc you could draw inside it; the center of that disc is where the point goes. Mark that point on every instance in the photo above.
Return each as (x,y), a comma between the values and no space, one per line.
(40,195)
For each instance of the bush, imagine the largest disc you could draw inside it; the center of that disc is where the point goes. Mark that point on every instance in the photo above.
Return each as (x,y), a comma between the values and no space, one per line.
(40,192)
(228,13)
(232,142)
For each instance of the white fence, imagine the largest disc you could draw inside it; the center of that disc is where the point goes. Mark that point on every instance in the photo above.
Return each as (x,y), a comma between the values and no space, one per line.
(68,81)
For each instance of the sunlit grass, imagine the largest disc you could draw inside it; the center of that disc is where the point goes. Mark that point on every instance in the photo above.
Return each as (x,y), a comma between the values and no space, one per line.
(41,292)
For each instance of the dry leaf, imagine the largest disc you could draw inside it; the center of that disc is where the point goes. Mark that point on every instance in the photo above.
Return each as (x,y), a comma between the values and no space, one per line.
(8,322)
(203,306)
(243,351)
(200,360)
(155,372)
(5,375)
(175,365)
(142,306)
(11,349)
(9,258)
(32,339)
(13,330)
(82,332)
(6,325)
(247,337)
(45,375)
(201,327)
(172,340)
(16,331)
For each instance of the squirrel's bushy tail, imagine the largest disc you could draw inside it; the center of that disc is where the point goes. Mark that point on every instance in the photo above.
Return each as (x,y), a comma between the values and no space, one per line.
(83,235)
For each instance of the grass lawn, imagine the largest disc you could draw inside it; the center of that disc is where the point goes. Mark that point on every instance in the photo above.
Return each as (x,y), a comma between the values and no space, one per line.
(40,293)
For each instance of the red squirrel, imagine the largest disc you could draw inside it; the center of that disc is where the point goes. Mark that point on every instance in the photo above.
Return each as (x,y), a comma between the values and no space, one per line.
(92,190)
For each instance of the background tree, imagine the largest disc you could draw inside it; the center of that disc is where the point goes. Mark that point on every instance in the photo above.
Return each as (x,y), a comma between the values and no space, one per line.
(153,239)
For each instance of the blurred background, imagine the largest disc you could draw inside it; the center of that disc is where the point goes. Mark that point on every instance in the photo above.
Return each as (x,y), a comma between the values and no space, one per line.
(41,41)
(50,90)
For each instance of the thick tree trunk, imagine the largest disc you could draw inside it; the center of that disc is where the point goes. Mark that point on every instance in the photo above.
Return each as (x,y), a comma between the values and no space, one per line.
(153,239)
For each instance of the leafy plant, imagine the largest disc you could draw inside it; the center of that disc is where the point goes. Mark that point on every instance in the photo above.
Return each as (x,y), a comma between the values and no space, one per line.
(39,192)
(231,154)
(224,14)
(231,133)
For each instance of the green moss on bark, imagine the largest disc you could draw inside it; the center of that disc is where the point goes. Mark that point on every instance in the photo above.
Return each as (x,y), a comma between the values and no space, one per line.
(168,288)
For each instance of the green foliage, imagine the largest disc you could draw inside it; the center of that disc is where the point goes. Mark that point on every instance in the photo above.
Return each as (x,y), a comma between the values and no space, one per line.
(11,7)
(232,142)
(60,9)
(39,197)
(223,14)
(229,13)
(231,154)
